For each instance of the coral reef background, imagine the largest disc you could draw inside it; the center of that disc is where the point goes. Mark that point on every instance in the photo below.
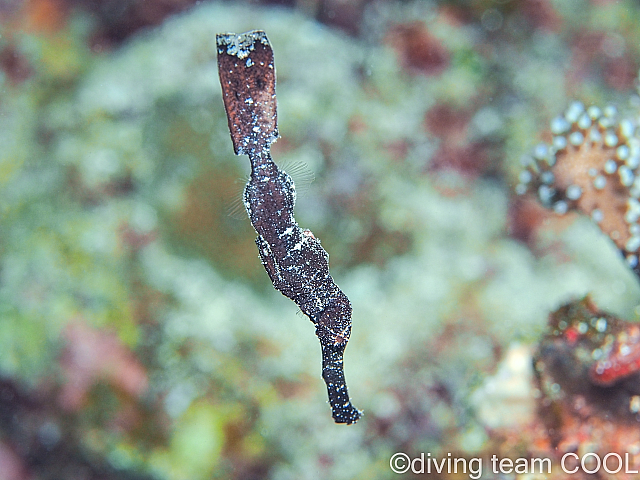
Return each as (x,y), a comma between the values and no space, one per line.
(139,334)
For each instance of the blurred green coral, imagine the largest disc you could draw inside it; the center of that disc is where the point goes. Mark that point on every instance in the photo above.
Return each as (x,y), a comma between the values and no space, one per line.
(196,444)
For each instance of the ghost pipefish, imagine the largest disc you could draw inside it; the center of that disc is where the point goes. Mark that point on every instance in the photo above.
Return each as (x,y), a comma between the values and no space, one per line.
(295,261)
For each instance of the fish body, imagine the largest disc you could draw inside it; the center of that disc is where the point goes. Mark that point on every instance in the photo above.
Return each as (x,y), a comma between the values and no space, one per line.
(293,257)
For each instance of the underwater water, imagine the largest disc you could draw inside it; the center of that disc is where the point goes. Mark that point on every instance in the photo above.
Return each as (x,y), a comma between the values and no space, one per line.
(492,335)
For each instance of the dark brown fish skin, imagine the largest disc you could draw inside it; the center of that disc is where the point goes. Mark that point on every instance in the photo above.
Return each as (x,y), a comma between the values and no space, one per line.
(248,79)
(294,259)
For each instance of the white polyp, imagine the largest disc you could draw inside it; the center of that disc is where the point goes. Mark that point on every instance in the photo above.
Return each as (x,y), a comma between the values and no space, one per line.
(573,192)
(594,112)
(547,177)
(560,207)
(627,128)
(525,176)
(584,121)
(633,162)
(559,142)
(622,152)
(592,172)
(632,244)
(599,182)
(574,111)
(595,136)
(597,215)
(633,206)
(610,139)
(576,138)
(559,125)
(610,166)
(631,217)
(541,151)
(626,176)
(610,111)
(601,324)
(605,122)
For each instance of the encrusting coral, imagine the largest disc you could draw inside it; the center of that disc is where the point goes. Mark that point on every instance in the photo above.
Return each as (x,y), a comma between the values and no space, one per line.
(587,364)
(591,166)
(586,369)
